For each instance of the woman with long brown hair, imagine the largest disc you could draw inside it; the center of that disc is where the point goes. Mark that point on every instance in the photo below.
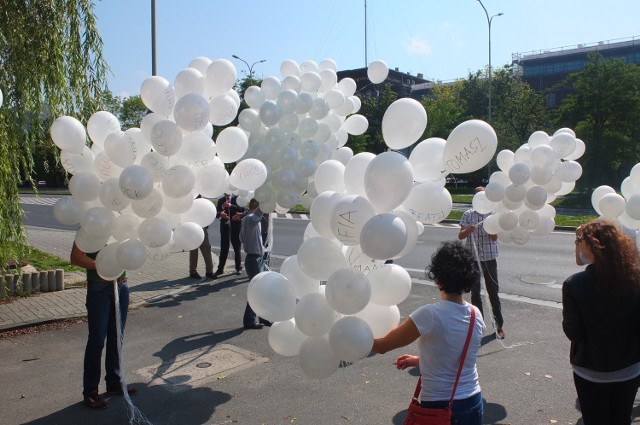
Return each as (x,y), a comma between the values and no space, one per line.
(601,317)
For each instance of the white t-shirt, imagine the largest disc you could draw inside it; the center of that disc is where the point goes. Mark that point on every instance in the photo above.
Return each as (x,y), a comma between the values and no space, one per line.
(443,328)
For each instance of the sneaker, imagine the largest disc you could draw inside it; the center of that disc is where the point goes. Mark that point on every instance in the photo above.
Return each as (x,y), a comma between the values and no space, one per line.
(195,275)
(131,390)
(211,275)
(94,401)
(239,271)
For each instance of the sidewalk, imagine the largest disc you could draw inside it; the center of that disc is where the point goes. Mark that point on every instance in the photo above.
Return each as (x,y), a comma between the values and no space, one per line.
(149,283)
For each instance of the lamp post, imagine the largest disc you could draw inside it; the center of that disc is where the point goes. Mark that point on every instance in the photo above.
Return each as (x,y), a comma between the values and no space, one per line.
(489,20)
(250,67)
(153,38)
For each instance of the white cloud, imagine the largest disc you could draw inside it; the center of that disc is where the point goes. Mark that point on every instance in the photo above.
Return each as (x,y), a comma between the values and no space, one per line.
(418,46)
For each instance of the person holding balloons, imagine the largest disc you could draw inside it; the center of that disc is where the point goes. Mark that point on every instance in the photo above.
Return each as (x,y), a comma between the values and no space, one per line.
(601,318)
(486,247)
(101,320)
(230,215)
(441,330)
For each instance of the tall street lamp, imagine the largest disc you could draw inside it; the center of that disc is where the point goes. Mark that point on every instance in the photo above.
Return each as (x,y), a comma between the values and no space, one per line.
(489,20)
(153,38)
(250,67)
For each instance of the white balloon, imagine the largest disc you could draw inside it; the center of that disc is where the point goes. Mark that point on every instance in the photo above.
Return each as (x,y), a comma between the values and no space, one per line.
(158,95)
(319,257)
(166,137)
(538,138)
(563,143)
(578,151)
(69,134)
(154,232)
(98,222)
(508,220)
(126,227)
(529,219)
(348,217)
(231,144)
(84,186)
(426,159)
(546,226)
(89,243)
(504,159)
(494,191)
(403,123)
(272,296)
(136,182)
(112,197)
(131,254)
(285,338)
(632,206)
(100,125)
(178,181)
(611,205)
(383,236)
(202,212)
(329,176)
(519,236)
(359,261)
(313,315)
(515,192)
(289,67)
(351,338)
(248,174)
(388,180)
(428,203)
(220,77)
(377,71)
(121,150)
(149,206)
(321,211)
(74,163)
(597,195)
(191,112)
(316,358)
(348,291)
(302,284)
(568,171)
(390,285)
(211,181)
(482,204)
(536,197)
(519,173)
(470,146)
(354,173)
(356,124)
(69,210)
(271,87)
(381,319)
(189,80)
(107,264)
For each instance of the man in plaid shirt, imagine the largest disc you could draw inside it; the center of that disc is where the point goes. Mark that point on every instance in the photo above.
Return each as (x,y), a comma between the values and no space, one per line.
(486,246)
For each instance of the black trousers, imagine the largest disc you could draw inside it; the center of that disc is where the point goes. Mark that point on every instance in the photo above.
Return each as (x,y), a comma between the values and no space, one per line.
(606,403)
(490,273)
(229,234)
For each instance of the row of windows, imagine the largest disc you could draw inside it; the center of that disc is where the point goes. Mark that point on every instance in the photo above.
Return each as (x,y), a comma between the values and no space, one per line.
(571,66)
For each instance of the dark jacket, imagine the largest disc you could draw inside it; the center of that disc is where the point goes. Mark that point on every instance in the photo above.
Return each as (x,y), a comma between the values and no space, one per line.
(231,211)
(603,326)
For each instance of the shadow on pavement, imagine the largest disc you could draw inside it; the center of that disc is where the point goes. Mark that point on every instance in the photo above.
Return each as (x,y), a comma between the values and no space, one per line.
(201,289)
(194,406)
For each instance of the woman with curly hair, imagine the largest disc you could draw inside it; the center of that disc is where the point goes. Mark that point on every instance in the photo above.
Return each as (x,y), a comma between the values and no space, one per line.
(601,317)
(441,330)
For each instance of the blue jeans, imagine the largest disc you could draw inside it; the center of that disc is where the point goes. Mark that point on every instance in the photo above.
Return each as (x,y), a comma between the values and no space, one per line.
(102,325)
(465,412)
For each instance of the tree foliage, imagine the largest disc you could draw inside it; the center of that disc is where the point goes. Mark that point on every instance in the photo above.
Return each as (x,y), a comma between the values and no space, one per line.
(373,108)
(604,108)
(51,64)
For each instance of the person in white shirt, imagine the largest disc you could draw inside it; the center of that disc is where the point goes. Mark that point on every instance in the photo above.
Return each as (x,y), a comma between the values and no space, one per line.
(441,331)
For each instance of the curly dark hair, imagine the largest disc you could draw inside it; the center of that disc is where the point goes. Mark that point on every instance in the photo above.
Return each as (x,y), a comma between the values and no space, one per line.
(615,255)
(453,268)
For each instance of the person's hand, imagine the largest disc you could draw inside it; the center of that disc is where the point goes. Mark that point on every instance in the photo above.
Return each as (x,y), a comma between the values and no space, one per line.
(237,216)
(224,215)
(407,360)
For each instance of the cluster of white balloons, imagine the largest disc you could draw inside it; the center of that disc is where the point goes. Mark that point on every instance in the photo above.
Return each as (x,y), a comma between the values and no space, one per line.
(366,210)
(623,208)
(528,181)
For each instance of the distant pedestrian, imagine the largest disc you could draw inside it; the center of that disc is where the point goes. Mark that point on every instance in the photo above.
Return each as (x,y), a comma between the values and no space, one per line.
(601,318)
(101,320)
(251,237)
(230,214)
(486,247)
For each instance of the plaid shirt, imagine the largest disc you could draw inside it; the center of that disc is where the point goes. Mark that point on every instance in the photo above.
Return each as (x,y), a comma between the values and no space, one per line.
(487,249)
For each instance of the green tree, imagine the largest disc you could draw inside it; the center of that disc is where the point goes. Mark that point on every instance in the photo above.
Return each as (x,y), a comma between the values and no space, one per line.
(444,110)
(130,112)
(604,109)
(51,64)
(373,108)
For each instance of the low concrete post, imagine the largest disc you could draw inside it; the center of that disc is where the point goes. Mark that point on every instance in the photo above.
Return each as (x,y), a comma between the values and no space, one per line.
(44,283)
(26,283)
(59,280)
(51,280)
(10,281)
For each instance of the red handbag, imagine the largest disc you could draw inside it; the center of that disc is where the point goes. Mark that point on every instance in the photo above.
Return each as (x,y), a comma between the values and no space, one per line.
(417,415)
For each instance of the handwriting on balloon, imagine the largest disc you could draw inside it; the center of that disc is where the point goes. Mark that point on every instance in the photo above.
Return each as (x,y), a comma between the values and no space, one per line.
(345,227)
(247,170)
(427,217)
(474,147)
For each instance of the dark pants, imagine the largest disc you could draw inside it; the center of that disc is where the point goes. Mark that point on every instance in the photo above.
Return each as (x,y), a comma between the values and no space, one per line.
(205,249)
(464,412)
(490,273)
(229,234)
(252,266)
(606,403)
(102,325)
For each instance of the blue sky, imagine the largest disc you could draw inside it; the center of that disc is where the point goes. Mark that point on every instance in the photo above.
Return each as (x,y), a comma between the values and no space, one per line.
(443,40)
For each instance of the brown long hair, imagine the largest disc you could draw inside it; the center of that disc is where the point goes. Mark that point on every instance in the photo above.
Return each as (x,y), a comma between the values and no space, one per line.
(616,259)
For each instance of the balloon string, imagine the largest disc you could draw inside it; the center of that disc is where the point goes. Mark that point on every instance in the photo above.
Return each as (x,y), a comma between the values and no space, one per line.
(136,417)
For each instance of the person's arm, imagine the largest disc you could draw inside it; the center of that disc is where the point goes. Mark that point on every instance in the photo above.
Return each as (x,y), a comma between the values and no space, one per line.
(404,334)
(407,360)
(81,259)
(572,323)
(466,231)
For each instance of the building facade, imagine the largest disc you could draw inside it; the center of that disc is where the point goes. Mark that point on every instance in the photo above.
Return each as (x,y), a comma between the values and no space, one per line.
(546,70)
(402,83)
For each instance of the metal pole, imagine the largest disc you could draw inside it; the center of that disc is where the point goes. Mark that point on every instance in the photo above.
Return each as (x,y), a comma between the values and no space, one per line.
(366,60)
(489,21)
(153,38)
(250,67)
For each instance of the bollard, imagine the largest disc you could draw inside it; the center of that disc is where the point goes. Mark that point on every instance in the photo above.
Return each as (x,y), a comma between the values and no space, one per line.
(59,280)
(26,283)
(10,281)
(44,283)
(51,280)
(3,288)
(35,282)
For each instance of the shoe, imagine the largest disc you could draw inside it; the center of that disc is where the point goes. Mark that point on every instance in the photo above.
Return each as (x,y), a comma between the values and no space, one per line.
(500,334)
(131,390)
(195,275)
(265,322)
(211,275)
(218,272)
(239,271)
(94,401)
(254,326)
